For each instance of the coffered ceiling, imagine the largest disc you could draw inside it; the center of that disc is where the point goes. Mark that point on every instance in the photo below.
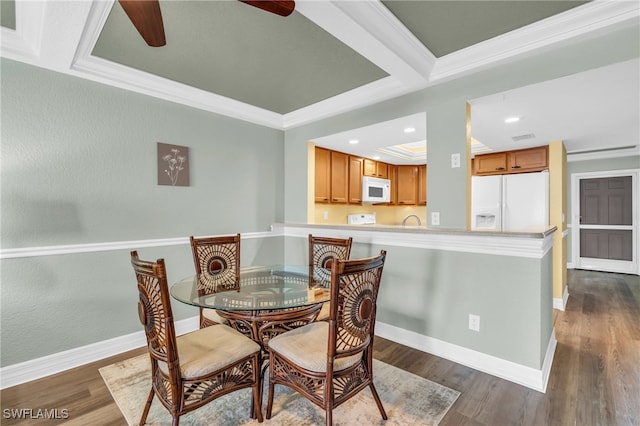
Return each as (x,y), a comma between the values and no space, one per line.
(326,58)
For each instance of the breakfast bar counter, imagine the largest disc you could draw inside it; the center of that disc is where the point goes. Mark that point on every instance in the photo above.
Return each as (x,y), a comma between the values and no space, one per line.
(479,298)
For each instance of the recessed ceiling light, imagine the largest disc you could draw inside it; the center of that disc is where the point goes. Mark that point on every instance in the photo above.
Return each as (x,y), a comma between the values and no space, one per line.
(410,130)
(376,157)
(354,141)
(512,119)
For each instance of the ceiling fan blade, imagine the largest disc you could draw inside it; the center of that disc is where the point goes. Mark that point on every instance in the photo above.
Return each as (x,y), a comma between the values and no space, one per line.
(147,18)
(279,7)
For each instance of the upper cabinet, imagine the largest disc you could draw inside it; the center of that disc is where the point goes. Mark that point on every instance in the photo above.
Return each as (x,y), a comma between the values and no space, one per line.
(355,180)
(323,176)
(393,177)
(376,168)
(407,185)
(338,179)
(520,161)
(490,164)
(529,160)
(422,185)
(331,176)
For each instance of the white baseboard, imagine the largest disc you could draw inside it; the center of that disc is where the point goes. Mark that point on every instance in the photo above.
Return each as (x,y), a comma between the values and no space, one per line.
(516,373)
(526,376)
(51,364)
(561,304)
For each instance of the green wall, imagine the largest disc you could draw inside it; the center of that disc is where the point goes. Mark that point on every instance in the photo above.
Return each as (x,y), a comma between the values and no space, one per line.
(79,167)
(432,292)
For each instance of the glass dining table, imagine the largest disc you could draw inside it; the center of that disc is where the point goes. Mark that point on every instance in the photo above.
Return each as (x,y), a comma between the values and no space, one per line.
(269,301)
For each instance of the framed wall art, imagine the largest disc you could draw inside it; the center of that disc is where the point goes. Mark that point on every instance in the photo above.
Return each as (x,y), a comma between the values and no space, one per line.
(173,165)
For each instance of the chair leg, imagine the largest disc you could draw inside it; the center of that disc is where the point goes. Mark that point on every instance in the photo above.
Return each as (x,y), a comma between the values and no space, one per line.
(176,420)
(378,401)
(145,412)
(329,415)
(270,399)
(257,397)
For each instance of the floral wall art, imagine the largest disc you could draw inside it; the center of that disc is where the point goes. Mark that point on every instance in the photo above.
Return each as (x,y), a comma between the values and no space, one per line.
(173,165)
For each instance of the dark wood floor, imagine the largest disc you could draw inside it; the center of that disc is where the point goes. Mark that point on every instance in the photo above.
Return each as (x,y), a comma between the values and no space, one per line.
(595,378)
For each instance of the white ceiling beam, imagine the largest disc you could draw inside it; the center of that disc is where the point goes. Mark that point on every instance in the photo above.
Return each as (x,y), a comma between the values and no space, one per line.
(61,32)
(369,29)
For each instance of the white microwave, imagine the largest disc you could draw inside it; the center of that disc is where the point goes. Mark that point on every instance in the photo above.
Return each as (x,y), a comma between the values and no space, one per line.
(375,190)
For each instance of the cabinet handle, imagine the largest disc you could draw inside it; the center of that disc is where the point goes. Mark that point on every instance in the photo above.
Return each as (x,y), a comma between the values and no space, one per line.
(499,168)
(515,167)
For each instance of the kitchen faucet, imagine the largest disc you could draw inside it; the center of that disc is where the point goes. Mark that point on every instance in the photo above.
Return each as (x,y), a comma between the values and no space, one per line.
(410,216)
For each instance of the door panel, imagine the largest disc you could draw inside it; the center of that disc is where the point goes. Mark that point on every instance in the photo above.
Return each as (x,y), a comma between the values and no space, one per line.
(606,204)
(606,244)
(606,201)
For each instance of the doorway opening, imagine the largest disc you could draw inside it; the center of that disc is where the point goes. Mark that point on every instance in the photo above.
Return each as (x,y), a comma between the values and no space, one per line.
(605,221)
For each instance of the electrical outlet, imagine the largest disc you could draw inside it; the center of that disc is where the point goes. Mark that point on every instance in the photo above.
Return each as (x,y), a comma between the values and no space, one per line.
(325,215)
(435,218)
(474,322)
(455,160)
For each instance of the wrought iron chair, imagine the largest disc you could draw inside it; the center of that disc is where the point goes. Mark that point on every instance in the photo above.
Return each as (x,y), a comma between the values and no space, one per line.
(217,261)
(321,251)
(330,362)
(191,370)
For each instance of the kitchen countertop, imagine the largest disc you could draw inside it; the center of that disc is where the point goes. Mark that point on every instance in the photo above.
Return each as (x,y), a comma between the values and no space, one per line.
(524,233)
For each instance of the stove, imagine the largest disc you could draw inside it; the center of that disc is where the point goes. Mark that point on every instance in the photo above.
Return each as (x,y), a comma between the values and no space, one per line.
(361,219)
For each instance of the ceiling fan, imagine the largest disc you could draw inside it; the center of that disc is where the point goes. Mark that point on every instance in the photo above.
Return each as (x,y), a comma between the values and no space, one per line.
(147,18)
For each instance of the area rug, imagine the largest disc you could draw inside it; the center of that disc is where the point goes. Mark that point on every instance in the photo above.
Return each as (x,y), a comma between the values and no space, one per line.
(408,400)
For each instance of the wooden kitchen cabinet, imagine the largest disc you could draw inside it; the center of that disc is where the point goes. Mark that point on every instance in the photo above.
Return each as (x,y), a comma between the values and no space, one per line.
(407,185)
(393,177)
(355,179)
(518,161)
(322,175)
(375,168)
(529,160)
(422,185)
(490,164)
(339,177)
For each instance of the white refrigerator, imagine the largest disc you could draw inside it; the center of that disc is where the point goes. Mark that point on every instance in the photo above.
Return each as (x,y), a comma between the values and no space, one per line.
(510,202)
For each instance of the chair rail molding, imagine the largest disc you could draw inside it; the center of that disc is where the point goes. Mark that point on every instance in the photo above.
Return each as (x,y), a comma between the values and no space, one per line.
(109,246)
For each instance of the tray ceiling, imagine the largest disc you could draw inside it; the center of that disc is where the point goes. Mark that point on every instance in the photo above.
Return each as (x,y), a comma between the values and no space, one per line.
(328,57)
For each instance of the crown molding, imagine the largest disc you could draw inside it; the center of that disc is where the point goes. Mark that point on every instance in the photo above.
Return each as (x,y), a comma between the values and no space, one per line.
(603,154)
(367,27)
(380,90)
(581,22)
(23,43)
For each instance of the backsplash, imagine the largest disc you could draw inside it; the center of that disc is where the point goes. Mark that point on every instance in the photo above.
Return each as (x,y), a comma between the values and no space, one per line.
(385,215)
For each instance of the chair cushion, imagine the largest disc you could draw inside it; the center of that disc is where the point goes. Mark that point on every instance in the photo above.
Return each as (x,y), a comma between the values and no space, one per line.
(212,314)
(307,347)
(324,312)
(212,348)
